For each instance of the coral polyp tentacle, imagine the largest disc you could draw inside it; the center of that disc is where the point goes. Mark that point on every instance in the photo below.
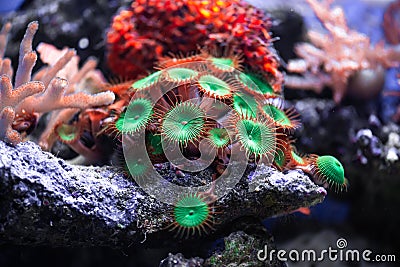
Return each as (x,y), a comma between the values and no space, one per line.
(219,137)
(136,116)
(68,133)
(180,74)
(146,82)
(184,123)
(297,160)
(215,87)
(174,61)
(245,104)
(229,27)
(255,84)
(192,213)
(329,169)
(257,137)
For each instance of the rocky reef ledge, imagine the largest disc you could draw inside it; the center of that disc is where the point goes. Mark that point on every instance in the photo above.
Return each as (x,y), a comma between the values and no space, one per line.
(46,201)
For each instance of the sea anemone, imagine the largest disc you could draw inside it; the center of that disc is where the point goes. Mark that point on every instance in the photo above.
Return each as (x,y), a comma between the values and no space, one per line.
(245,104)
(146,82)
(214,87)
(329,169)
(68,133)
(183,123)
(286,119)
(192,213)
(256,136)
(255,84)
(136,116)
(219,137)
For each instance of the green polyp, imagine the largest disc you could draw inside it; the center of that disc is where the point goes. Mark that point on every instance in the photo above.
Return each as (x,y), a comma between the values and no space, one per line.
(183,123)
(181,74)
(191,211)
(278,115)
(68,133)
(331,169)
(214,86)
(219,137)
(297,158)
(245,105)
(154,140)
(147,81)
(254,83)
(279,158)
(223,63)
(256,137)
(136,116)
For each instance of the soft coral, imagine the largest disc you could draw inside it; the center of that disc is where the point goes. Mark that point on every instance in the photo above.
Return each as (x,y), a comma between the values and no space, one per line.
(21,105)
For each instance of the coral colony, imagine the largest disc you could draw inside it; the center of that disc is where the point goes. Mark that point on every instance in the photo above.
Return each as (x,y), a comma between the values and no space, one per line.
(151,30)
(240,86)
(350,64)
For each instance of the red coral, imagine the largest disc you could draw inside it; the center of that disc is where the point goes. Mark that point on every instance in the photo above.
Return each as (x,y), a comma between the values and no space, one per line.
(151,29)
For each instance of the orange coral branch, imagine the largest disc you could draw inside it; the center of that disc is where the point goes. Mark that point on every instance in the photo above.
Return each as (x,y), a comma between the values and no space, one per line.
(5,67)
(27,58)
(7,116)
(3,38)
(21,105)
(339,54)
(11,97)
(53,98)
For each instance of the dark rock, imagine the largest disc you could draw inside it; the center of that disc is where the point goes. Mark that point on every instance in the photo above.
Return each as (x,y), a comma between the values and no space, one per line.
(327,128)
(65,23)
(240,248)
(45,201)
(178,260)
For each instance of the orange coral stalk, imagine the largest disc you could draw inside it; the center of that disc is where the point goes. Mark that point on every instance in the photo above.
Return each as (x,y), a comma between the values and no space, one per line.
(6,132)
(27,58)
(332,59)
(11,97)
(3,38)
(5,67)
(55,99)
(58,65)
(24,70)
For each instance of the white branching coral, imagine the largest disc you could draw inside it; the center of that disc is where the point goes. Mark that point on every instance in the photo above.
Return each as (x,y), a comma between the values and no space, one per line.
(331,59)
(22,104)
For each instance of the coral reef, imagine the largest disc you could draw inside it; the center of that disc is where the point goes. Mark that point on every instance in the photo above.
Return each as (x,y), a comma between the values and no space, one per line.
(206,109)
(150,30)
(262,129)
(204,98)
(343,59)
(23,103)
